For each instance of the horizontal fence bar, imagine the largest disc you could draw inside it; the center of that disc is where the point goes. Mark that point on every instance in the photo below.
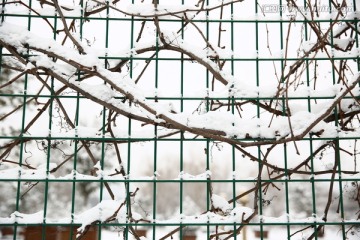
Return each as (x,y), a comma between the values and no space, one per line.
(136,139)
(150,19)
(160,224)
(235,59)
(337,179)
(179,98)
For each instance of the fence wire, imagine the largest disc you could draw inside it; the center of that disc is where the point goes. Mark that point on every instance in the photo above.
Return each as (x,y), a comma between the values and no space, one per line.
(180,119)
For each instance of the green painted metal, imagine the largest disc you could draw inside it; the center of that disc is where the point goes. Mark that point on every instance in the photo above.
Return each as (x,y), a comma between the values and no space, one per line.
(180,139)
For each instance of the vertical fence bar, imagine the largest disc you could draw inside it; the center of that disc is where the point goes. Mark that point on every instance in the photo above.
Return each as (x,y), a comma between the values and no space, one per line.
(337,157)
(76,142)
(23,120)
(208,151)
(284,110)
(156,85)
(233,106)
(259,153)
(182,69)
(181,139)
(312,166)
(129,149)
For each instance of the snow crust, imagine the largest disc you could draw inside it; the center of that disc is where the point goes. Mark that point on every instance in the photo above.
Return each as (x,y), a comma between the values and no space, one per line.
(23,218)
(186,176)
(20,173)
(101,212)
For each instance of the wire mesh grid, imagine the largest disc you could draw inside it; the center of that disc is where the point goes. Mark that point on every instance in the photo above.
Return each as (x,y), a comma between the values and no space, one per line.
(182,119)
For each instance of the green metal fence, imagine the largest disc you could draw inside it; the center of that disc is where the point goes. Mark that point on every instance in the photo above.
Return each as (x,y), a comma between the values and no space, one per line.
(182,119)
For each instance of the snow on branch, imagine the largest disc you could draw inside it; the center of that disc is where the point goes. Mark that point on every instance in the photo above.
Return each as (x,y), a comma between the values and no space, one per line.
(216,125)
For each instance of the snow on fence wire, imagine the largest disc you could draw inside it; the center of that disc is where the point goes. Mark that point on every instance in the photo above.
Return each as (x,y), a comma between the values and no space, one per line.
(185,119)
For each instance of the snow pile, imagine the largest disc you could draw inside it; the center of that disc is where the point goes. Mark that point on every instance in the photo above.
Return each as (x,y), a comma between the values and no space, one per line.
(220,203)
(102,212)
(186,176)
(42,172)
(23,218)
